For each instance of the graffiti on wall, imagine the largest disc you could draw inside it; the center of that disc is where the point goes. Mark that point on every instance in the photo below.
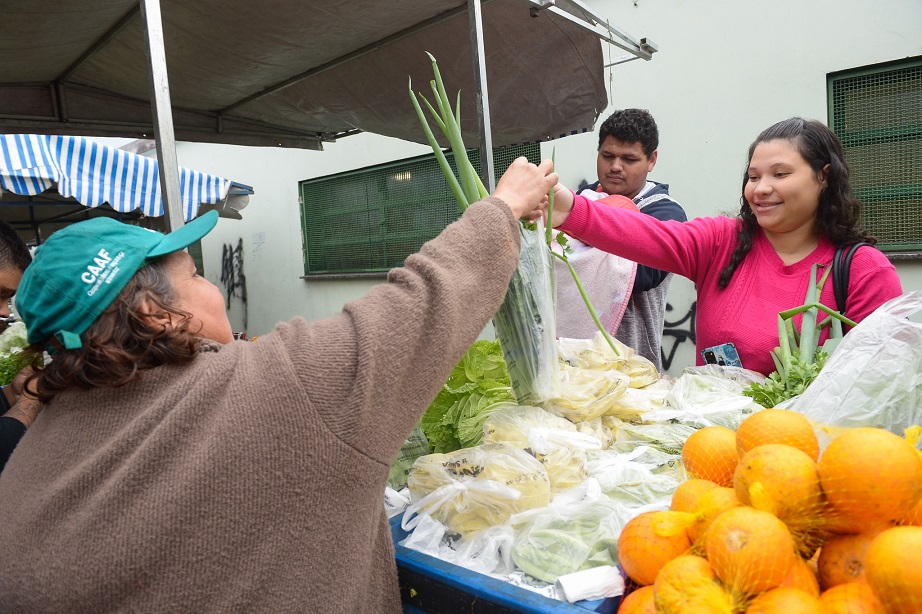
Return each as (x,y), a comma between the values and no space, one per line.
(235,282)
(676,332)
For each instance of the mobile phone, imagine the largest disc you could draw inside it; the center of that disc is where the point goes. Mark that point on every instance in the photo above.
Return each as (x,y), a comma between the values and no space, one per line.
(724,355)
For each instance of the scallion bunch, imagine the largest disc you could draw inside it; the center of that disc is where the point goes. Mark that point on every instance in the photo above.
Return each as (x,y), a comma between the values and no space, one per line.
(525,322)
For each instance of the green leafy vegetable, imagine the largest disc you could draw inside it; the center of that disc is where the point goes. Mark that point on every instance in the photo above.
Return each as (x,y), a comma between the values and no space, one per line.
(13,354)
(478,386)
(798,357)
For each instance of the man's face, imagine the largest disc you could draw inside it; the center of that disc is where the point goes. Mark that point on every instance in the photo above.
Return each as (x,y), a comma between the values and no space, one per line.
(9,282)
(623,167)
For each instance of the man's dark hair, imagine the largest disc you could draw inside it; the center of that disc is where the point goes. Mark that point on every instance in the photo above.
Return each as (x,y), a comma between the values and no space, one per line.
(631,126)
(13,250)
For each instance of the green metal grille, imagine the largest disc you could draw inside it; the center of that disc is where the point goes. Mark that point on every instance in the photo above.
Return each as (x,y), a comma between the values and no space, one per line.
(877,114)
(369,220)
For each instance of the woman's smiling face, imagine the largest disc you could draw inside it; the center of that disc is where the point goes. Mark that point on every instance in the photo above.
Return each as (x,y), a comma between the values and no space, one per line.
(783,191)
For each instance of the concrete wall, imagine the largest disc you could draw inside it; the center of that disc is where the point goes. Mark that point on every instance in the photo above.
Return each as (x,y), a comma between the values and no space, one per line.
(725,71)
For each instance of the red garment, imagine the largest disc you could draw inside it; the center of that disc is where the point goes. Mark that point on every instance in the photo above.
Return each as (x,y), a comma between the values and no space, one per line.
(746,312)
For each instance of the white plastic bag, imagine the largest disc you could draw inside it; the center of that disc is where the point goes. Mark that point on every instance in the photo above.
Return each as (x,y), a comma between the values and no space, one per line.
(706,400)
(564,538)
(874,378)
(553,440)
(471,489)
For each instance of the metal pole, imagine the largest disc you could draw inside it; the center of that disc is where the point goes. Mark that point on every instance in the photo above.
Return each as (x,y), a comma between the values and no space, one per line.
(163,116)
(488,174)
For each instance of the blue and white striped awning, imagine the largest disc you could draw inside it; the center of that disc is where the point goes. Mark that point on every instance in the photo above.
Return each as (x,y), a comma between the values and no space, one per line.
(93,174)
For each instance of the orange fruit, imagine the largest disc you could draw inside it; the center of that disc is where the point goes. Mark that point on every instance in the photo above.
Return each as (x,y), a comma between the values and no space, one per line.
(688,585)
(710,454)
(750,550)
(851,598)
(869,476)
(893,571)
(783,480)
(914,517)
(842,559)
(642,551)
(777,426)
(808,542)
(711,504)
(638,602)
(803,577)
(785,600)
(685,498)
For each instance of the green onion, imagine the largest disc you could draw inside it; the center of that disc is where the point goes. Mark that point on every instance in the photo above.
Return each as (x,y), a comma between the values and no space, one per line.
(525,322)
(798,360)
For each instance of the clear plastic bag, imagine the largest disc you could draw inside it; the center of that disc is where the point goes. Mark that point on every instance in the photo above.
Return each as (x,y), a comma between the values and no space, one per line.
(598,430)
(525,323)
(553,440)
(637,403)
(596,354)
(566,537)
(874,377)
(488,551)
(415,446)
(474,488)
(643,477)
(586,394)
(704,399)
(668,437)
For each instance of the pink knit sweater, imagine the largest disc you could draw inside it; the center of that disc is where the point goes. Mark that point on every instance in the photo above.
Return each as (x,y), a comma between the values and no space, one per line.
(746,311)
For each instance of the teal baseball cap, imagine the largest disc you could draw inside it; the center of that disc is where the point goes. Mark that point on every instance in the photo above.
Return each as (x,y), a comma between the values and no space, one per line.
(77,273)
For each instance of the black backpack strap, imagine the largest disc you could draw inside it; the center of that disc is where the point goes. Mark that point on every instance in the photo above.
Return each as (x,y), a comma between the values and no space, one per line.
(841,265)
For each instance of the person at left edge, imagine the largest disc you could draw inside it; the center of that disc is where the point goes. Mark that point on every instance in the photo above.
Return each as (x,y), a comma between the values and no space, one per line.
(176,470)
(17,410)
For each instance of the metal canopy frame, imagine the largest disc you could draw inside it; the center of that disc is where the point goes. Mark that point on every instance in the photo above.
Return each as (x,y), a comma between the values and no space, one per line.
(577,13)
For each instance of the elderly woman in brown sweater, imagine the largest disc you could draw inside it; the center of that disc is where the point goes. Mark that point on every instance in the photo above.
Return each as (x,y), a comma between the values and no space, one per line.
(174,470)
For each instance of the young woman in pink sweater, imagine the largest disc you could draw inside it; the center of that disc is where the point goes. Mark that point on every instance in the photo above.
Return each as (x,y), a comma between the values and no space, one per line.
(797,207)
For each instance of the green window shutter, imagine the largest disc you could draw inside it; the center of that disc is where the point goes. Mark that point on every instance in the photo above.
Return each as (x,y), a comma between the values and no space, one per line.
(877,114)
(369,220)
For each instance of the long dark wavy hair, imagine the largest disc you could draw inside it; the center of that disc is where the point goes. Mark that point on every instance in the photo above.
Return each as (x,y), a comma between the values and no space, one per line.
(838,214)
(124,341)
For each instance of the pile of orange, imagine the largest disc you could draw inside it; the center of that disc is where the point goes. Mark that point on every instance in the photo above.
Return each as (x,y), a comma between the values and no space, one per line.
(766,524)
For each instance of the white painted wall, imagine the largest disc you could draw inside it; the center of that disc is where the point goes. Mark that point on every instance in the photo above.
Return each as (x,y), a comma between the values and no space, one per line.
(726,70)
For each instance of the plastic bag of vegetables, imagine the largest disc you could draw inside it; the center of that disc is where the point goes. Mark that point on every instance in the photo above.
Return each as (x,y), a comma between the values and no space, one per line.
(416,445)
(597,354)
(471,489)
(643,477)
(566,537)
(707,400)
(668,437)
(554,441)
(598,430)
(586,394)
(636,404)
